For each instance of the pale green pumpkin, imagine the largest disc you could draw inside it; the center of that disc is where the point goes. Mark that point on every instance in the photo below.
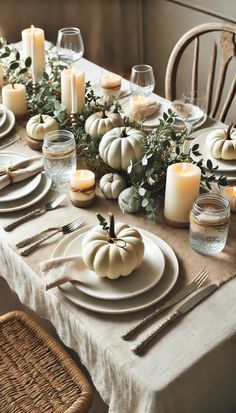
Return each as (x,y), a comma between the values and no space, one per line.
(129,200)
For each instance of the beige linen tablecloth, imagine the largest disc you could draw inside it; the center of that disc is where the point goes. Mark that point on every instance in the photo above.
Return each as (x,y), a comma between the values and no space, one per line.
(189,368)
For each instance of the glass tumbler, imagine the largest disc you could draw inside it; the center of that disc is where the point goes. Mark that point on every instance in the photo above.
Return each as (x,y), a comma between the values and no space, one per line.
(59,157)
(209,224)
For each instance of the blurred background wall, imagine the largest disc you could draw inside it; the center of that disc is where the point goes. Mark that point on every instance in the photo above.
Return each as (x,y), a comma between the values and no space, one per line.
(121,33)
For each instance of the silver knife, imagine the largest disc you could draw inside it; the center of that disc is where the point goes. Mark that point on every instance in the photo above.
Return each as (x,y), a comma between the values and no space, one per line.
(180,295)
(181,310)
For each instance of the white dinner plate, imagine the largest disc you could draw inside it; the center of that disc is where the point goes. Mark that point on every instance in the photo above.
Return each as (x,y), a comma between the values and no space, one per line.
(200,139)
(19,189)
(129,305)
(3,115)
(30,199)
(8,124)
(141,280)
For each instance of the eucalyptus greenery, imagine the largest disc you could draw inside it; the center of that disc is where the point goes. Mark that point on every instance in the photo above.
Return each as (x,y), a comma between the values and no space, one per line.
(163,146)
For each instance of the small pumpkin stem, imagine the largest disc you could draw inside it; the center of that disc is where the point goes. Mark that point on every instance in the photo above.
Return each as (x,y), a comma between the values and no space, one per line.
(112,226)
(13,86)
(228,132)
(41,118)
(124,134)
(104,113)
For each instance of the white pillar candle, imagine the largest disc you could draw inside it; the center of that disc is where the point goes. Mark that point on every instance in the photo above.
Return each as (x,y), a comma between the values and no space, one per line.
(110,81)
(230,193)
(138,102)
(182,187)
(14,98)
(82,188)
(33,45)
(73,90)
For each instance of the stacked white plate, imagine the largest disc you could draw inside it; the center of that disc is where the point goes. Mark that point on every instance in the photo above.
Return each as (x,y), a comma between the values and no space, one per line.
(147,285)
(22,194)
(226,168)
(7,121)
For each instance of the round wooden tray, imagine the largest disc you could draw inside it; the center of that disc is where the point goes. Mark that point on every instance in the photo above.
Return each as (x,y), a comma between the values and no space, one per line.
(33,144)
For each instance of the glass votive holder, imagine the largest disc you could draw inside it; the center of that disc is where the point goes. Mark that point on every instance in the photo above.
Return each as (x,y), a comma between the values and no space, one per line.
(82,188)
(209,223)
(59,157)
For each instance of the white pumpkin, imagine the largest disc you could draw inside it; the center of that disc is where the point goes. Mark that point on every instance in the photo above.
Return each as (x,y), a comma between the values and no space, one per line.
(113,254)
(112,185)
(39,125)
(101,122)
(129,200)
(120,146)
(222,144)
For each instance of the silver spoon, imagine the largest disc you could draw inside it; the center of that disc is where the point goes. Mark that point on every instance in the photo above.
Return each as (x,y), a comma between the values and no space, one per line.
(47,207)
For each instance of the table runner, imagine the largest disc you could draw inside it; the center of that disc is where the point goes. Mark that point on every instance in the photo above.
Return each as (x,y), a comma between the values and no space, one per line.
(189,367)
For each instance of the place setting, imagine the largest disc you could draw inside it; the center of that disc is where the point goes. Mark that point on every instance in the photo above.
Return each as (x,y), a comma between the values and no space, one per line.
(111,292)
(22,181)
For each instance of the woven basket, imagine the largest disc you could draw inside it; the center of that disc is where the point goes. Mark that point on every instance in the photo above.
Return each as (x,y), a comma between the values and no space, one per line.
(36,374)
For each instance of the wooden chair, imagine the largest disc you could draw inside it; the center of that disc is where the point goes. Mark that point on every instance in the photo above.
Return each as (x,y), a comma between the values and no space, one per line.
(215,86)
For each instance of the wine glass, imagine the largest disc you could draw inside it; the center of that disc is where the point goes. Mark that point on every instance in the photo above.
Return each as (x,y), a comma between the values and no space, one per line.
(142,80)
(191,108)
(70,45)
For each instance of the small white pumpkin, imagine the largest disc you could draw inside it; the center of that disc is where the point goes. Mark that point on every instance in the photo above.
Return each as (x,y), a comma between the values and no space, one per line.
(222,144)
(111,185)
(101,122)
(113,254)
(129,200)
(39,125)
(120,146)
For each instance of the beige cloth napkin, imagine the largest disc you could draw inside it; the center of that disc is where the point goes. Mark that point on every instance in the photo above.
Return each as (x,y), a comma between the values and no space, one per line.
(150,109)
(20,171)
(57,271)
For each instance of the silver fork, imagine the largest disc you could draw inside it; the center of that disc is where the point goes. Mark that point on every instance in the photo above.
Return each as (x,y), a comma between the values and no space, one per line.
(65,229)
(184,292)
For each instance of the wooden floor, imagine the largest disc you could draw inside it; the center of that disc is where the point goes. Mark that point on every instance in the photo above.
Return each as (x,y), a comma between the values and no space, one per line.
(9,302)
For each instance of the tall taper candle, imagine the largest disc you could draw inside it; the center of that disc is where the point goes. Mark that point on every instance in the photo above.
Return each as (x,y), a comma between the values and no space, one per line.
(182,186)
(73,90)
(33,45)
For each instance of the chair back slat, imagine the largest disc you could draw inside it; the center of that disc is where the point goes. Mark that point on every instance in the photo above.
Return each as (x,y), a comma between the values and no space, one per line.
(227,52)
(228,101)
(211,77)
(195,68)
(220,57)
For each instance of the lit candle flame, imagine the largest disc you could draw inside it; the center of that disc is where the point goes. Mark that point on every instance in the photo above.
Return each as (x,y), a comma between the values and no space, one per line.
(32,28)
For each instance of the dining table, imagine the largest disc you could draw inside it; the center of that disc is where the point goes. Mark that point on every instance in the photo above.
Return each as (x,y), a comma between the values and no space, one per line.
(190,366)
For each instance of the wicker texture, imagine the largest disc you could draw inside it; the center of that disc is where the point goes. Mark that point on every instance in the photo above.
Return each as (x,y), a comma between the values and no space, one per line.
(36,374)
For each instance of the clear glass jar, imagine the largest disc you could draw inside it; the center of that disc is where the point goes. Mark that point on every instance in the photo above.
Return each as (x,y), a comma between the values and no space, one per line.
(59,157)
(209,224)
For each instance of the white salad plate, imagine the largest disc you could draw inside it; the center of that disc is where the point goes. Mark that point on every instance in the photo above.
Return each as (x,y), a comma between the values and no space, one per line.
(19,189)
(3,115)
(129,305)
(8,124)
(141,280)
(200,139)
(31,199)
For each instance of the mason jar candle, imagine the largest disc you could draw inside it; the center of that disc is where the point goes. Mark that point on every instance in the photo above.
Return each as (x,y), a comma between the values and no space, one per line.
(82,188)
(209,223)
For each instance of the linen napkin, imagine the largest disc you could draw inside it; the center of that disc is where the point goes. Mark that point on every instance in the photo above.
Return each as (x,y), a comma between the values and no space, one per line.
(151,108)
(182,109)
(57,271)
(20,171)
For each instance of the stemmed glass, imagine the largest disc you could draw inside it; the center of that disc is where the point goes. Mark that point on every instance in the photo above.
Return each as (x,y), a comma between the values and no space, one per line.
(191,108)
(142,80)
(70,45)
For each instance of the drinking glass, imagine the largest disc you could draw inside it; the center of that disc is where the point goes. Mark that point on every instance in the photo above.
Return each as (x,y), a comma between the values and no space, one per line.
(70,45)
(209,223)
(59,157)
(191,108)
(142,80)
